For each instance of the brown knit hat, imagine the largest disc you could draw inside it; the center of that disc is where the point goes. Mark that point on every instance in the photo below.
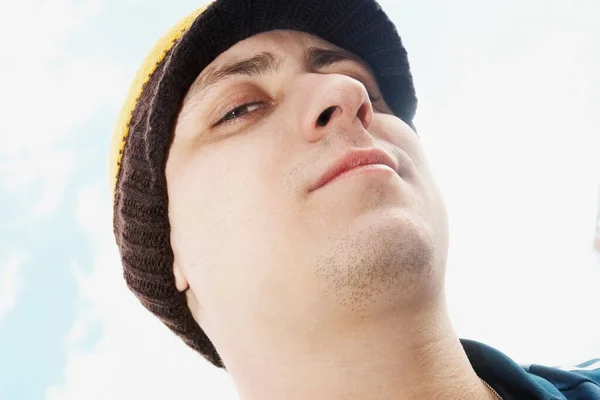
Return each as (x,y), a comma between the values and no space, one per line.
(145,128)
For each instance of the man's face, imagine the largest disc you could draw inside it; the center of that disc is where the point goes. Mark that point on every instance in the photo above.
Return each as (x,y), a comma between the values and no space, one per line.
(261,251)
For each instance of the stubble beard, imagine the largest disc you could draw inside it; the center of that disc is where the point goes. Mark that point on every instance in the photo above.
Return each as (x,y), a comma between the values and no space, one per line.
(393,264)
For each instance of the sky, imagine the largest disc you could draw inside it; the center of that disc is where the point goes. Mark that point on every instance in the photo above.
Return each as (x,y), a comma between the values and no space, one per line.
(508,115)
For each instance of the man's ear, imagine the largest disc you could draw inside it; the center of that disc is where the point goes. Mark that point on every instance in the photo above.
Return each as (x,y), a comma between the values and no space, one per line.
(180,281)
(183,286)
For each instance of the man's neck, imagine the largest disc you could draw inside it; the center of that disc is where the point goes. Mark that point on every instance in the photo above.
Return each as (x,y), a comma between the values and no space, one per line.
(417,357)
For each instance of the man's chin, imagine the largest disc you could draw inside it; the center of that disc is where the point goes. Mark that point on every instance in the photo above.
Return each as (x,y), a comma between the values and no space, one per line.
(382,259)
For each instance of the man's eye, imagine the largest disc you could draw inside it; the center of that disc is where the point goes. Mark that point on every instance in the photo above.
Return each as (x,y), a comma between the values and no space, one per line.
(373,98)
(238,112)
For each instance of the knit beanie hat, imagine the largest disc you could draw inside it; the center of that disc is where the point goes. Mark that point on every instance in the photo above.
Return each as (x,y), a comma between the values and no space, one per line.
(145,127)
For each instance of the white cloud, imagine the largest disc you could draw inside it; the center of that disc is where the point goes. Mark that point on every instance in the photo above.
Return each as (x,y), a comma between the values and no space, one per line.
(137,356)
(46,95)
(11,284)
(514,145)
(54,179)
(35,31)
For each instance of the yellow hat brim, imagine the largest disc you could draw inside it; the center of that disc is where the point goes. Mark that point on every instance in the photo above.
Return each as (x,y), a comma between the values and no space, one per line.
(148,67)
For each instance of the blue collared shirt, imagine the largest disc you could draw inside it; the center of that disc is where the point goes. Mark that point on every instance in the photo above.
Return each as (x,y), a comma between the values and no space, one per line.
(524,382)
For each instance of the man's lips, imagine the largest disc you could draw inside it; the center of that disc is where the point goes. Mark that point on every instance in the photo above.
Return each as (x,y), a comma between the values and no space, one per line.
(353,159)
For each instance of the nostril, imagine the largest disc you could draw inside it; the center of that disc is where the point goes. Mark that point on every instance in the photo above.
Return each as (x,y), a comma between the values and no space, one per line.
(325,116)
(364,116)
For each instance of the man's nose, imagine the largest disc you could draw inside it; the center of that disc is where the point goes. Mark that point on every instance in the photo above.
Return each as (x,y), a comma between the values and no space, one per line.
(333,102)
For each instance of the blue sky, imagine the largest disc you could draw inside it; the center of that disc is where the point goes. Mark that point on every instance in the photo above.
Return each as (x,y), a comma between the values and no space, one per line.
(509,100)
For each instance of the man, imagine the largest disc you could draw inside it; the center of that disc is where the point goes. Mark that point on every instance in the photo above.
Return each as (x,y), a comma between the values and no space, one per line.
(274,208)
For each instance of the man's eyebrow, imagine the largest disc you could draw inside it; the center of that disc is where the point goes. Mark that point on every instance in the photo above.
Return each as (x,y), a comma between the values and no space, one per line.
(260,64)
(265,63)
